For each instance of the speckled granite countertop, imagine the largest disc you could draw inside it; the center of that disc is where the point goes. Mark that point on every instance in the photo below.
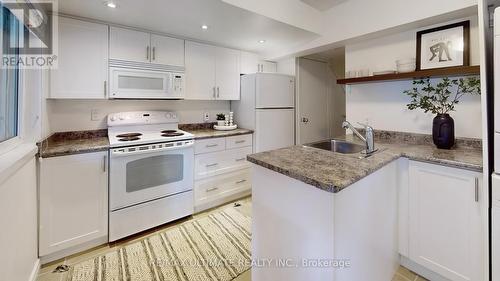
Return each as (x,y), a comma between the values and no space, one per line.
(333,172)
(211,133)
(68,143)
(206,131)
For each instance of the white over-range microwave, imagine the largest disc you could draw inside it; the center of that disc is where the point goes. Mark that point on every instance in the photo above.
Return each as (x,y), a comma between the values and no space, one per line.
(130,83)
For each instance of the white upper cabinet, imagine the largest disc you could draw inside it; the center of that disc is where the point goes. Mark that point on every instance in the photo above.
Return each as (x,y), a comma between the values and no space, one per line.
(143,47)
(251,63)
(73,201)
(82,61)
(129,45)
(268,66)
(227,74)
(445,221)
(200,71)
(212,73)
(167,50)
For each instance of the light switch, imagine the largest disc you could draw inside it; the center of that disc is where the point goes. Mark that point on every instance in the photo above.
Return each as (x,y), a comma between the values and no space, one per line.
(206,116)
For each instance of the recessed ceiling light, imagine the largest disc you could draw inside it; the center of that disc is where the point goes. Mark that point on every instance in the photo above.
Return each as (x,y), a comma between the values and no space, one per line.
(111,5)
(205,27)
(262,41)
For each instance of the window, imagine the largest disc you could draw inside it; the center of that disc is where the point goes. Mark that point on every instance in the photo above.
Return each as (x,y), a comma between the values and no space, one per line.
(9,79)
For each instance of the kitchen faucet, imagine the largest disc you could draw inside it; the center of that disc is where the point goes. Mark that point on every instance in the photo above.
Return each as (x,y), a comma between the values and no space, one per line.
(367,139)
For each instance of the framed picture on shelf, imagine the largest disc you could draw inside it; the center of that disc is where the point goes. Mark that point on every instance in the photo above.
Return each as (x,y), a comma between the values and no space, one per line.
(445,46)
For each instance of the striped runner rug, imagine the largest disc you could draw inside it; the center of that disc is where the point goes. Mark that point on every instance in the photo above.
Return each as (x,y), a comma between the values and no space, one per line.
(213,247)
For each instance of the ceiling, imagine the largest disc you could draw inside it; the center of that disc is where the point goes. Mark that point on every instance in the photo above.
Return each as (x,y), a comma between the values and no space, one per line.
(322,5)
(228,25)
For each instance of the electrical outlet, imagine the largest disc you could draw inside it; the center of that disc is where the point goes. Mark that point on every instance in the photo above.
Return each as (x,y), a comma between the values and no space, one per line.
(206,116)
(96,115)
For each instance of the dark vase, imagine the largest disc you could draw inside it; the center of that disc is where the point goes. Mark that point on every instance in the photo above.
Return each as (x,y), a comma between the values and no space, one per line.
(443,131)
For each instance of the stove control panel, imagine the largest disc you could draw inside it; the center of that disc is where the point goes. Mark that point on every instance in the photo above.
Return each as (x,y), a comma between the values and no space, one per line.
(141,118)
(148,148)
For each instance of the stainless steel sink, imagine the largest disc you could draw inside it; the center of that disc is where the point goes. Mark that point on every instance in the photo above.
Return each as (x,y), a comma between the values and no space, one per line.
(339,146)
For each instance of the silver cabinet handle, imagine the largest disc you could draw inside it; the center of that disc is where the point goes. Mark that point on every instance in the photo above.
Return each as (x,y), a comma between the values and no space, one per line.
(241,181)
(104,164)
(147,52)
(211,189)
(476,189)
(105,88)
(241,159)
(218,91)
(154,53)
(211,165)
(240,141)
(214,91)
(211,145)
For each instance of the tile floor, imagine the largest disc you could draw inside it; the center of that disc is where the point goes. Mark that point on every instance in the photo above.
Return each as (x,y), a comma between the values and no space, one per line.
(46,272)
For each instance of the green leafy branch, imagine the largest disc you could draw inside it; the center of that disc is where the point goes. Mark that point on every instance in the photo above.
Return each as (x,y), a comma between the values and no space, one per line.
(441,97)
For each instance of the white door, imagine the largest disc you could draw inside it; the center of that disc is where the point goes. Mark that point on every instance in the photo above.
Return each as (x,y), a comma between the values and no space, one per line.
(73,201)
(445,220)
(83,61)
(200,71)
(167,50)
(274,91)
(274,129)
(249,63)
(227,74)
(312,107)
(129,45)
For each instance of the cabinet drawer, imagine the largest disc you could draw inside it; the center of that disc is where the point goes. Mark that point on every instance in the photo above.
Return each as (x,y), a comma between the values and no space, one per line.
(221,186)
(239,141)
(209,145)
(216,163)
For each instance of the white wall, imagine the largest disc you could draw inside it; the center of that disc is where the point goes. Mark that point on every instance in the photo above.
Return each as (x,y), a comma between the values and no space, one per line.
(18,217)
(75,115)
(383,105)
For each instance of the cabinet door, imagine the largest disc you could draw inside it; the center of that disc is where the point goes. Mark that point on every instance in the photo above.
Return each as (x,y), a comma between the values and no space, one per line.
(167,50)
(73,201)
(249,63)
(129,45)
(82,61)
(445,220)
(268,67)
(227,74)
(200,71)
(495,243)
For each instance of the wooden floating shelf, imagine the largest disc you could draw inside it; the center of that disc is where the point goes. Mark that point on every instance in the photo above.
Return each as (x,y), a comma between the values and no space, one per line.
(432,73)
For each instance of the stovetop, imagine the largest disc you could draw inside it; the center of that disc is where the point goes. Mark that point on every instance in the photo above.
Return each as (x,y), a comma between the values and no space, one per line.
(137,128)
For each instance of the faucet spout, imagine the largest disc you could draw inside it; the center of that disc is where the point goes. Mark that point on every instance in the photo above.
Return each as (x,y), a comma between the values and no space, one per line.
(367,139)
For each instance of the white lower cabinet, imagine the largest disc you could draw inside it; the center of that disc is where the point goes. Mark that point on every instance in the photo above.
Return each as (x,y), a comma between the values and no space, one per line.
(445,221)
(73,202)
(221,172)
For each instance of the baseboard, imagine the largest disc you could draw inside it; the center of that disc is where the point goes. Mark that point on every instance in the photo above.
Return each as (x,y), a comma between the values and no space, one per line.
(34,272)
(420,270)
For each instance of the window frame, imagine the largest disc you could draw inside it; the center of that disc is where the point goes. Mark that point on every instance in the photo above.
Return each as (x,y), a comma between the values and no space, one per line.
(14,142)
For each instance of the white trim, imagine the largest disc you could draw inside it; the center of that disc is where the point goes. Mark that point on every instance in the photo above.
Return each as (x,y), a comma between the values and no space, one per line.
(34,272)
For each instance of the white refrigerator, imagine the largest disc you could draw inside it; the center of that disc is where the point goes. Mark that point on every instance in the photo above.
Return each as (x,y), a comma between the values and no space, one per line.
(267,106)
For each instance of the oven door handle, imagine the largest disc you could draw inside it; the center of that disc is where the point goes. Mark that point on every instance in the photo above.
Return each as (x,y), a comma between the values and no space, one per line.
(115,152)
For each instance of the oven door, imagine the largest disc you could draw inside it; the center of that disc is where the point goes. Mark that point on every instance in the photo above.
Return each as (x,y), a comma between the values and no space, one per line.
(144,176)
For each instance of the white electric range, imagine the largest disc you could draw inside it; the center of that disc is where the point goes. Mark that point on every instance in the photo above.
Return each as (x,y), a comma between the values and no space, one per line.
(150,171)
